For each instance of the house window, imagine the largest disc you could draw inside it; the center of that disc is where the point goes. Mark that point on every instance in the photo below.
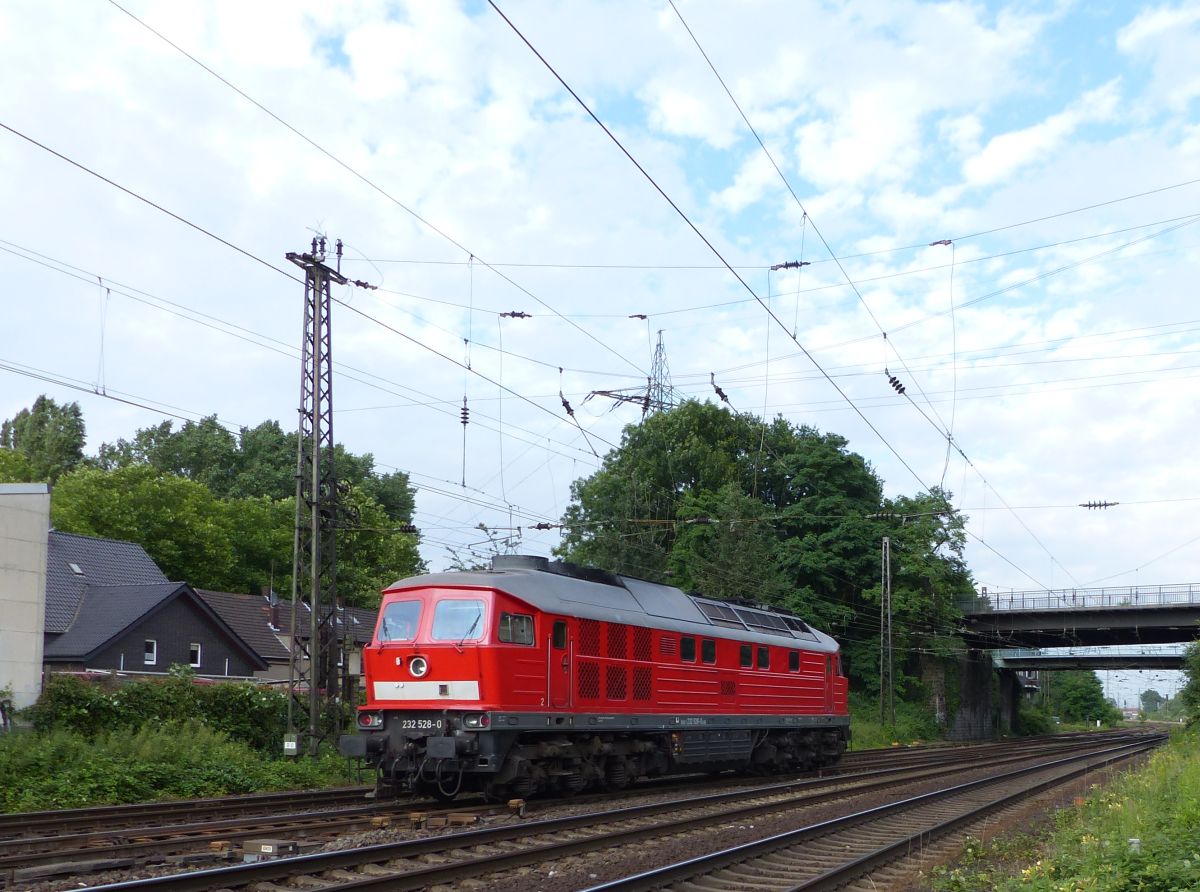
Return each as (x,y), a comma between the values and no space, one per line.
(687,650)
(516,628)
(708,650)
(194,655)
(746,655)
(764,658)
(150,657)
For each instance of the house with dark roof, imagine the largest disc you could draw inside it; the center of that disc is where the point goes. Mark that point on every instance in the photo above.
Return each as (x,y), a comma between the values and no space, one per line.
(109,607)
(258,621)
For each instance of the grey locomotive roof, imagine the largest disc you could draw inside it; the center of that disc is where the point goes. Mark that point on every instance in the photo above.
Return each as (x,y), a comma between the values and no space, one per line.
(628,600)
(74,562)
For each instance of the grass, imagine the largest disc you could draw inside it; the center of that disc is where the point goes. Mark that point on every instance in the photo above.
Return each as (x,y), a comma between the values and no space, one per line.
(1140,833)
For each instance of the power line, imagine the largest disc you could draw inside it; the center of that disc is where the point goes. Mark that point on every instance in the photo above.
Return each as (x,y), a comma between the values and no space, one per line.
(249,336)
(763,266)
(373,185)
(687,220)
(348,306)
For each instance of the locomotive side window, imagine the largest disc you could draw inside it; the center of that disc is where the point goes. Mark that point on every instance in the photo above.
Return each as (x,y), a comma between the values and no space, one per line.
(560,635)
(515,628)
(457,620)
(687,650)
(708,650)
(746,656)
(793,661)
(399,621)
(764,658)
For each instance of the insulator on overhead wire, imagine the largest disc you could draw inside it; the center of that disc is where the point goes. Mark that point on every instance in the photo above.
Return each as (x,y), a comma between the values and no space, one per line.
(896,385)
(465,413)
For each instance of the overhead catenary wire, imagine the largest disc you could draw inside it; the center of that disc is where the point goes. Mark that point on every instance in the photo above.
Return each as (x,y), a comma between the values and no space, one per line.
(343,303)
(258,339)
(372,184)
(716,252)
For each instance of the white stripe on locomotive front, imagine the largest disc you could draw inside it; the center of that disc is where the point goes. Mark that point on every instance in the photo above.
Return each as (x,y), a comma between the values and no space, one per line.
(426,690)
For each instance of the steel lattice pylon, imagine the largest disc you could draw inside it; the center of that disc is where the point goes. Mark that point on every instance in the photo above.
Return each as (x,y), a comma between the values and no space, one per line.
(317,663)
(661,393)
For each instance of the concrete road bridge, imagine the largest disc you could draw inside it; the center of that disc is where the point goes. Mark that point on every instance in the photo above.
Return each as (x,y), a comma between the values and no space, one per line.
(1035,660)
(1006,633)
(1150,614)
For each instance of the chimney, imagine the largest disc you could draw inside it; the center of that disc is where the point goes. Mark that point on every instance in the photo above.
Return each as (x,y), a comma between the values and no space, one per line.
(273,610)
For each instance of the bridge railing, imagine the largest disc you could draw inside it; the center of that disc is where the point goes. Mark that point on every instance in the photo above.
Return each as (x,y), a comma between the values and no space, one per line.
(1119,650)
(1086,598)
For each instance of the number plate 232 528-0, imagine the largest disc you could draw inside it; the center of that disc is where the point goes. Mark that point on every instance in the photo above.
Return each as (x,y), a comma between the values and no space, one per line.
(420,724)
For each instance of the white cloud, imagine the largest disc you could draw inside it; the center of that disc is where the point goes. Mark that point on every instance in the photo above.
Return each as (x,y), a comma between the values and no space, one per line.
(1007,153)
(1169,36)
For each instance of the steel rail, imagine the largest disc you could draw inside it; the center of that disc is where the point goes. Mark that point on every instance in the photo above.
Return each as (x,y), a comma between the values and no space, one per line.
(682,871)
(268,871)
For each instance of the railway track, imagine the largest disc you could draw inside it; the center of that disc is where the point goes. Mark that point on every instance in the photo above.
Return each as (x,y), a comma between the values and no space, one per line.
(122,836)
(149,814)
(830,854)
(498,852)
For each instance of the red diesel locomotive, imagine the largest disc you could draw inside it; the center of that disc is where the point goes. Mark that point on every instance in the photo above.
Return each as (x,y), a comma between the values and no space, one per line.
(544,677)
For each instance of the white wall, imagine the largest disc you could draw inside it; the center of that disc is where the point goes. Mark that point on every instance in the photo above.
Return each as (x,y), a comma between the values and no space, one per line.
(24,529)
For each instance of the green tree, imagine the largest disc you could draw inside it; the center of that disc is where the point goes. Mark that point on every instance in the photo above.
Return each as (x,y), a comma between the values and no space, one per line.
(1152,701)
(734,507)
(50,437)
(930,582)
(266,463)
(1189,695)
(14,467)
(373,550)
(1078,696)
(259,461)
(182,526)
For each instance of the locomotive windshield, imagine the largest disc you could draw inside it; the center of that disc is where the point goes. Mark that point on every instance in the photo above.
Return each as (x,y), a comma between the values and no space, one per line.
(400,619)
(457,620)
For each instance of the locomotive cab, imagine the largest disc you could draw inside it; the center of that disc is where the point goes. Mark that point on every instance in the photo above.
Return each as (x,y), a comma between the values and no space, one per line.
(424,690)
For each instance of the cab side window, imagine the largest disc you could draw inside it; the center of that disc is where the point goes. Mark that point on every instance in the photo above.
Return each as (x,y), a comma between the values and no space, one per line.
(708,650)
(515,628)
(746,655)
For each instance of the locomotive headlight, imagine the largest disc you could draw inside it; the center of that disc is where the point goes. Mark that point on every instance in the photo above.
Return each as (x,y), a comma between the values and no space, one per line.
(476,720)
(370,720)
(418,666)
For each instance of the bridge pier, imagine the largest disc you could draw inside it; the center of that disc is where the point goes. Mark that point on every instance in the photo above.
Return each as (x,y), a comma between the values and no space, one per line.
(1009,696)
(974,718)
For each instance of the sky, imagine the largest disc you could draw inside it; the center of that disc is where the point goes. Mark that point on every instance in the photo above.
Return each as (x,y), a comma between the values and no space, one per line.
(1052,343)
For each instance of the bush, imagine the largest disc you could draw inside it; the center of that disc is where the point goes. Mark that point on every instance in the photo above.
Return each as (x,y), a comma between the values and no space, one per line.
(66,769)
(1031,721)
(913,723)
(246,712)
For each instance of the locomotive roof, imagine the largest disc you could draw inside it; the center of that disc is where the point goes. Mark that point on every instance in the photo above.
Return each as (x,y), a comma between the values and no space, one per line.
(592,594)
